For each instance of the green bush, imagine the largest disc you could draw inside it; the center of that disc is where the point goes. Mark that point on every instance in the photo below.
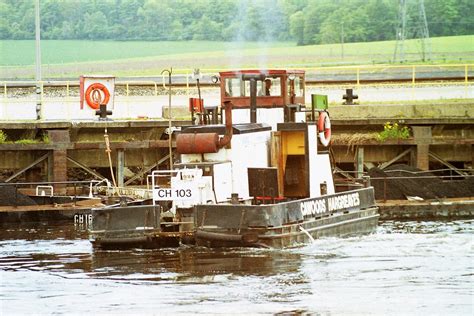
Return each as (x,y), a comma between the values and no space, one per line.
(45,138)
(3,137)
(393,131)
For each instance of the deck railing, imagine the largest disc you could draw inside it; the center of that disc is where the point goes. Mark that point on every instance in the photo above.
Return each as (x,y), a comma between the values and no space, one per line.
(80,189)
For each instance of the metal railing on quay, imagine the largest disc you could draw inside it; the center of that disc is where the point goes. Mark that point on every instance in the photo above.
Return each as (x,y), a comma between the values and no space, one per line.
(358,74)
(129,90)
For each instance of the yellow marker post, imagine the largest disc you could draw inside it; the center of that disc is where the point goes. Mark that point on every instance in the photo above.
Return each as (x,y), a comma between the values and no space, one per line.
(358,76)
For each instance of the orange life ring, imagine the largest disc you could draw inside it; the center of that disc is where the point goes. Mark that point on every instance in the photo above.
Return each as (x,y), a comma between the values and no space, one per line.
(324,128)
(97,94)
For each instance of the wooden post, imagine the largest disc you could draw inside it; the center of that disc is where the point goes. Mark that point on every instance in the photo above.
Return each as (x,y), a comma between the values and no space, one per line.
(60,170)
(422,157)
(360,162)
(472,156)
(57,163)
(50,166)
(120,167)
(423,138)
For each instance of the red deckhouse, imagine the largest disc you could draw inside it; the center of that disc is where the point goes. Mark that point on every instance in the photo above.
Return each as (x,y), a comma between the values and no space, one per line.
(272,88)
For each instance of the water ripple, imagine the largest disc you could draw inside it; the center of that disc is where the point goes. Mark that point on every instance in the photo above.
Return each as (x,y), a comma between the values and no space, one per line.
(396,270)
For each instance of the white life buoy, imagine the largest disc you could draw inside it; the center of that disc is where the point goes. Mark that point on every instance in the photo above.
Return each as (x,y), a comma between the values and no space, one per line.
(324,128)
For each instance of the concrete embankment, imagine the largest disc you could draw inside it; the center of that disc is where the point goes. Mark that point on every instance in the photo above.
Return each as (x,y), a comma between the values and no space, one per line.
(432,110)
(427,210)
(429,111)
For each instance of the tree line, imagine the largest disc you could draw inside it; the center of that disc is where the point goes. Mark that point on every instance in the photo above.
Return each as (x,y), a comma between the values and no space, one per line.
(304,21)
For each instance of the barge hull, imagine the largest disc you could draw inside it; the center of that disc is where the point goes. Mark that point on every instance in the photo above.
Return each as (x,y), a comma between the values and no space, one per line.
(139,226)
(291,235)
(287,224)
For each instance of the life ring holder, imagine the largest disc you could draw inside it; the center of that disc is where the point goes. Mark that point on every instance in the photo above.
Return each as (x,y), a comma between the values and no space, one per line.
(97,94)
(324,128)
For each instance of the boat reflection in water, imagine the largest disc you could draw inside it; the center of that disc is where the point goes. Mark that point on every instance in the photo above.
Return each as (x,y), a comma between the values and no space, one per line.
(193,264)
(404,268)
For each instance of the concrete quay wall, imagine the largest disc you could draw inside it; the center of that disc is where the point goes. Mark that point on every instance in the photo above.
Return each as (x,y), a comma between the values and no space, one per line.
(446,112)
(442,130)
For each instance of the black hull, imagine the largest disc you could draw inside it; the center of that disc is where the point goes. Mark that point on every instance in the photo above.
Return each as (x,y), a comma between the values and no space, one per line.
(280,225)
(286,224)
(336,225)
(139,226)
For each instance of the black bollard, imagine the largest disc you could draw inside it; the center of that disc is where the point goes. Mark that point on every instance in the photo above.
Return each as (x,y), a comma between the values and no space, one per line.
(349,97)
(102,112)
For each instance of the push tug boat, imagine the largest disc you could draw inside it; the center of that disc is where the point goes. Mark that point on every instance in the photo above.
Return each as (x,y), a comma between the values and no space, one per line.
(259,182)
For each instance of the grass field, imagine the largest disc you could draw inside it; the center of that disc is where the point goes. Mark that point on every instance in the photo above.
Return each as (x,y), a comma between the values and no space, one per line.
(72,58)
(58,52)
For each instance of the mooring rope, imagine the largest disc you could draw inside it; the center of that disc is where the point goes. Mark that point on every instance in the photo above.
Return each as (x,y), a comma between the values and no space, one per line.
(108,151)
(170,72)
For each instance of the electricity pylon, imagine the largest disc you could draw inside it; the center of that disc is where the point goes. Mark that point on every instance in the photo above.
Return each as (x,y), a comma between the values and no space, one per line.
(420,30)
(399,53)
(424,32)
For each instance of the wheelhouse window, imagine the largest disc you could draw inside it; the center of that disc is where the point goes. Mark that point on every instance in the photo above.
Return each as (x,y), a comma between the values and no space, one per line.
(233,87)
(295,86)
(269,87)
(236,87)
(299,86)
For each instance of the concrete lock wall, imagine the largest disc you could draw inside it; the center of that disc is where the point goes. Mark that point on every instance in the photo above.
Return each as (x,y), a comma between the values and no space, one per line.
(415,111)
(447,131)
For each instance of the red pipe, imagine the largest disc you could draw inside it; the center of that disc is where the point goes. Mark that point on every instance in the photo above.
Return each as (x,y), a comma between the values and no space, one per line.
(224,141)
(197,143)
(201,143)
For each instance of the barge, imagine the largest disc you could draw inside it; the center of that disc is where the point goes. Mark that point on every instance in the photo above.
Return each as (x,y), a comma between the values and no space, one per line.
(255,172)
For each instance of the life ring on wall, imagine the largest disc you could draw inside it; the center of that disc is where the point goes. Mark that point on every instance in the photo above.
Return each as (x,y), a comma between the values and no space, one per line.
(324,128)
(97,94)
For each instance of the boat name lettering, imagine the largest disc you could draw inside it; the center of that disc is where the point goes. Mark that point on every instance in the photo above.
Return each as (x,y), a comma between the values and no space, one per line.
(183,193)
(343,201)
(313,207)
(83,219)
(167,194)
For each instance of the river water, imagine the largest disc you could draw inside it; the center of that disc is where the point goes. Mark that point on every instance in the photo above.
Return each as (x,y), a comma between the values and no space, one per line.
(405,268)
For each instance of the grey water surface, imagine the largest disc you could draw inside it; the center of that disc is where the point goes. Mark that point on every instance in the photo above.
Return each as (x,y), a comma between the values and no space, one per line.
(405,268)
